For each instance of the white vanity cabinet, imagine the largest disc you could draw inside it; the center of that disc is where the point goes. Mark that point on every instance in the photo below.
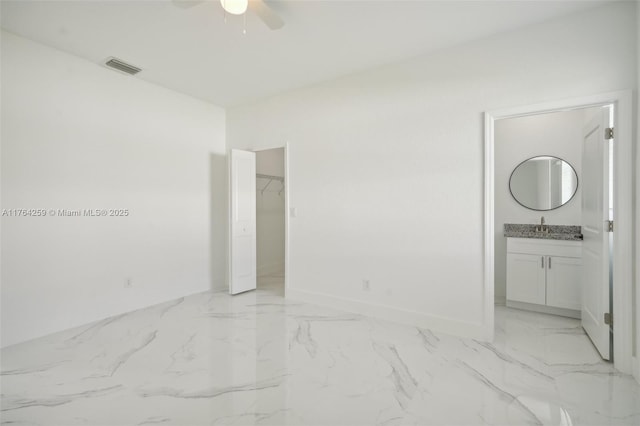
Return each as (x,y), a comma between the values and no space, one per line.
(544,275)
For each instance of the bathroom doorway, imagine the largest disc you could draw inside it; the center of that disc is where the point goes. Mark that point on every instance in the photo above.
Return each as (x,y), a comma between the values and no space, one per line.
(541,190)
(524,143)
(495,217)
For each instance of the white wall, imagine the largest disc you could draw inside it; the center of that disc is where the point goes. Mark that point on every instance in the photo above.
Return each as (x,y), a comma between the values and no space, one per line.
(76,135)
(386,166)
(270,215)
(637,205)
(517,139)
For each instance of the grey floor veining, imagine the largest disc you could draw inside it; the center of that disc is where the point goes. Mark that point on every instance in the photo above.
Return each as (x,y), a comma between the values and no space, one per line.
(256,358)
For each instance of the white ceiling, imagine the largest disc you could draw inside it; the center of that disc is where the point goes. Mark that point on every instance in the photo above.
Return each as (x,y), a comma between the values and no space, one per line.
(193,51)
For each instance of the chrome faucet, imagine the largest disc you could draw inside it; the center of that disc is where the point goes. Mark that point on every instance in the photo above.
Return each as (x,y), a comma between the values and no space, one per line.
(542,227)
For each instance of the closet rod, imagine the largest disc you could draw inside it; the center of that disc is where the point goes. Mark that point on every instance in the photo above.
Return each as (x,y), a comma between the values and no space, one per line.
(271,179)
(280,178)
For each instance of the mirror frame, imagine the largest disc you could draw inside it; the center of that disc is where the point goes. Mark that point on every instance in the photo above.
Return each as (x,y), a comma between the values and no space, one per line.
(544,210)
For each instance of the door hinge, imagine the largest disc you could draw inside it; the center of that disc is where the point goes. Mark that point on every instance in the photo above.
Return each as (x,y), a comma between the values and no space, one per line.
(608,133)
(608,319)
(609,226)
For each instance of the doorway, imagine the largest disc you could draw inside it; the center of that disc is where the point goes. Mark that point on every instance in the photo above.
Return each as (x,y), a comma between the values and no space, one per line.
(541,182)
(270,220)
(621,196)
(258,198)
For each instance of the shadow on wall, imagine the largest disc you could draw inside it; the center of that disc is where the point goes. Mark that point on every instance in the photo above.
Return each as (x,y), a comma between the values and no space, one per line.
(218,232)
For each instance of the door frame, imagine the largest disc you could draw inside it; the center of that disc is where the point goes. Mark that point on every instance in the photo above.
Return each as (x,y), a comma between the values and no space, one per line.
(622,204)
(287,264)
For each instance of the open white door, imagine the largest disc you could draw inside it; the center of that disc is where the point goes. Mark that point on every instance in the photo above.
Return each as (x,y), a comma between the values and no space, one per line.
(595,221)
(242,250)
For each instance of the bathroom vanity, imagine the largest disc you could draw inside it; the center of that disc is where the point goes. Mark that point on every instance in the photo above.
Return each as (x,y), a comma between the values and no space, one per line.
(544,268)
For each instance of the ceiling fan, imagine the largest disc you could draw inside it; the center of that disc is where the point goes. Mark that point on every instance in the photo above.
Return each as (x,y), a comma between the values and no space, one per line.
(238,7)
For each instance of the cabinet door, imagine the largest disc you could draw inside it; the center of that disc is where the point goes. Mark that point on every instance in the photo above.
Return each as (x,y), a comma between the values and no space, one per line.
(526,278)
(563,282)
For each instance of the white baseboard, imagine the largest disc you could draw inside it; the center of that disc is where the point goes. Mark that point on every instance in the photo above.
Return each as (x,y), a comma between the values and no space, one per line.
(389,313)
(544,309)
(500,301)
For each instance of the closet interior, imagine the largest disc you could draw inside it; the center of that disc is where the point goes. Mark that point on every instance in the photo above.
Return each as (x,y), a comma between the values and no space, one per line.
(270,219)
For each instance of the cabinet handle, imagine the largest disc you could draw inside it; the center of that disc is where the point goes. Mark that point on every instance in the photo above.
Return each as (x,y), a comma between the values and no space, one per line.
(549,262)
(542,262)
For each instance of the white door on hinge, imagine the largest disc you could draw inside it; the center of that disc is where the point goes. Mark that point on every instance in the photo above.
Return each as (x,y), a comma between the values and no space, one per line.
(595,216)
(242,250)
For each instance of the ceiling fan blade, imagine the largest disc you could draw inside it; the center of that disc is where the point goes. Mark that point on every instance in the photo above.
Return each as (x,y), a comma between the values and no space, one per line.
(186,4)
(266,14)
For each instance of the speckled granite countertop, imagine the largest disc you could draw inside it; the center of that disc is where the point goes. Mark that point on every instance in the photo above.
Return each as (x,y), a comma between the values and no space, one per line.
(556,232)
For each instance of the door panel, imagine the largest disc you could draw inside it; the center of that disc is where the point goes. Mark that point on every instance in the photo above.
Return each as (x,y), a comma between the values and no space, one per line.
(526,278)
(564,276)
(595,247)
(242,259)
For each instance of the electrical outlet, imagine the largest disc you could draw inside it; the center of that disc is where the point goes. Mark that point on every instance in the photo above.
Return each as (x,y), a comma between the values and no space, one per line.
(366,285)
(128,283)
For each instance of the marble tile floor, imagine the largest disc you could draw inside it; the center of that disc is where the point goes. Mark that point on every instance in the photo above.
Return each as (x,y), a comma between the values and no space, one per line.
(256,358)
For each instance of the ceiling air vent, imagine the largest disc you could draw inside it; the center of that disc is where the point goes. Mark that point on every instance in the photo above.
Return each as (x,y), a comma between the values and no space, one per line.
(122,66)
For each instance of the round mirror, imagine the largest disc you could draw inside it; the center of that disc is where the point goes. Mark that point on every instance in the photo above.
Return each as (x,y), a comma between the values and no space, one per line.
(543,183)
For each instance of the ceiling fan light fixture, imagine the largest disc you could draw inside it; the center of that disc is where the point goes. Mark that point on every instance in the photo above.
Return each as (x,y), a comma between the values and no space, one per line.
(235,7)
